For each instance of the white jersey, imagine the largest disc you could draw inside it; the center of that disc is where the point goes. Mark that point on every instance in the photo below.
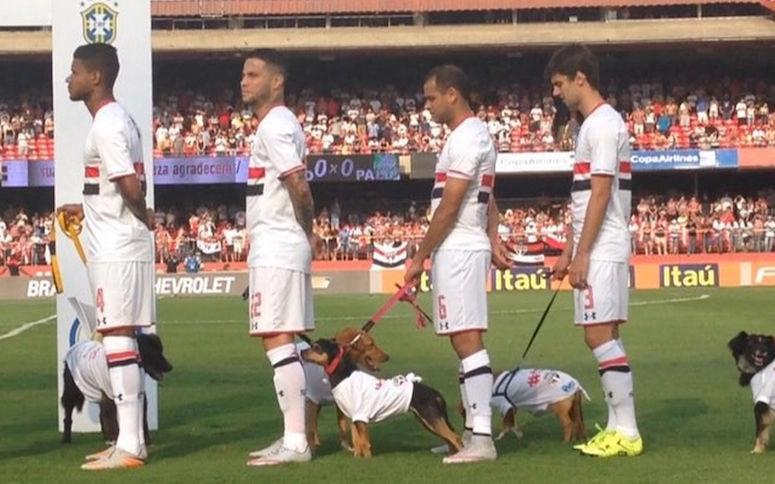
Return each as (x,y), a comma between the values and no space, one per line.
(603,148)
(763,385)
(318,389)
(364,398)
(276,238)
(468,154)
(532,390)
(89,367)
(113,150)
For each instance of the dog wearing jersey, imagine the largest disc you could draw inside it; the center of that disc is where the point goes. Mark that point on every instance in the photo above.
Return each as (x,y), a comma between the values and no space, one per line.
(539,391)
(86,378)
(363,350)
(754,356)
(364,398)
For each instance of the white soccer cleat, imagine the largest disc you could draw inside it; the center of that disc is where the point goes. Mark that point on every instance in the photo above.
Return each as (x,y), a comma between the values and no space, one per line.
(101,454)
(270,449)
(480,449)
(143,454)
(282,455)
(118,459)
(444,449)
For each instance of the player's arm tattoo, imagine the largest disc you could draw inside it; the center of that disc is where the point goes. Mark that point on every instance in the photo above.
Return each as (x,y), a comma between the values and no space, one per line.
(301,198)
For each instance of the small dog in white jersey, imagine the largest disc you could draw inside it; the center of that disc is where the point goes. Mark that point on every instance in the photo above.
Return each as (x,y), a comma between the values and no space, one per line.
(538,391)
(754,356)
(86,378)
(365,399)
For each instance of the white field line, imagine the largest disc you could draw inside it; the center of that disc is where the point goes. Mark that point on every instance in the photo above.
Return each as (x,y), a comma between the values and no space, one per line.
(24,327)
(676,300)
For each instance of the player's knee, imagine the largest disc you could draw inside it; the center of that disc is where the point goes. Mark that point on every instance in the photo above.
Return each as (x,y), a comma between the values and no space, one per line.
(466,343)
(598,334)
(276,340)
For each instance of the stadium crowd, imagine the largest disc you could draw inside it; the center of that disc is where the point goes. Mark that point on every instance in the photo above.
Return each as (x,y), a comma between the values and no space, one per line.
(712,113)
(216,232)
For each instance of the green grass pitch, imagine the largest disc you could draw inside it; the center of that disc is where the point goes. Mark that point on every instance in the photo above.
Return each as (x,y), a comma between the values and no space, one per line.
(218,404)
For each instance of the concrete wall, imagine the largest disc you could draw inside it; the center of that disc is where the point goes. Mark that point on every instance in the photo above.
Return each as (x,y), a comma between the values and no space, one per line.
(641,32)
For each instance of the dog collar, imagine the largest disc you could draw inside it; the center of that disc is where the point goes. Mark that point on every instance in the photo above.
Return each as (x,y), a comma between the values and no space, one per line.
(331,368)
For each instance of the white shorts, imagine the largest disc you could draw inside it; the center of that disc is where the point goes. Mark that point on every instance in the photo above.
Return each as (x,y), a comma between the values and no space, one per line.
(124,294)
(280,301)
(459,280)
(606,298)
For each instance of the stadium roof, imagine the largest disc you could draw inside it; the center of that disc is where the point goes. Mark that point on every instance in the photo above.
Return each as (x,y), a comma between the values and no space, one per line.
(206,8)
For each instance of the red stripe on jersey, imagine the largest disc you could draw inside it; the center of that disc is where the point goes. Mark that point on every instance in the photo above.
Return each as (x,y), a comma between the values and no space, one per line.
(460,174)
(293,170)
(625,167)
(582,168)
(488,180)
(92,172)
(139,168)
(124,355)
(256,173)
(441,177)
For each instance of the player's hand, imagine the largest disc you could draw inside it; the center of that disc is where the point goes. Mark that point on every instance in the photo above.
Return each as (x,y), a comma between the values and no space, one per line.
(560,268)
(71,210)
(500,258)
(578,270)
(414,271)
(150,218)
(73,213)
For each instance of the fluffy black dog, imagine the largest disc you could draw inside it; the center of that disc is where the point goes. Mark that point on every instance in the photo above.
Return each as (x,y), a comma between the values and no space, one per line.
(154,363)
(753,353)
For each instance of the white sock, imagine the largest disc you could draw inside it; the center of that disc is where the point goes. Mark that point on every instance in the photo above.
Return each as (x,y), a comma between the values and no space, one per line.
(478,387)
(626,422)
(141,405)
(290,384)
(605,352)
(121,353)
(469,418)
(616,379)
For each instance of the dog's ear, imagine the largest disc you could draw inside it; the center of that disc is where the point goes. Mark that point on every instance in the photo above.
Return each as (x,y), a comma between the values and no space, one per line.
(737,344)
(745,379)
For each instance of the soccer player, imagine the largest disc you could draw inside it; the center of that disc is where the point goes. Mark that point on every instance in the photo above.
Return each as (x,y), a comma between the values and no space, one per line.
(279,218)
(596,257)
(462,240)
(119,243)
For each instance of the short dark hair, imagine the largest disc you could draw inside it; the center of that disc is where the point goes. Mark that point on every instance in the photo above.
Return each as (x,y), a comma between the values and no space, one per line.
(271,57)
(100,57)
(449,75)
(573,58)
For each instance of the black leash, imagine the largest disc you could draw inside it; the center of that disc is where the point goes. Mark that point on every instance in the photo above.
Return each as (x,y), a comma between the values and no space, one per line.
(541,321)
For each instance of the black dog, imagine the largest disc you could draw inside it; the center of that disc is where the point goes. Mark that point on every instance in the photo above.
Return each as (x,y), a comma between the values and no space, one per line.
(753,353)
(153,362)
(426,403)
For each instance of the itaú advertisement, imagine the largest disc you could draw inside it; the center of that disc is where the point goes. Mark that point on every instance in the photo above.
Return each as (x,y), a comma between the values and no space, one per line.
(645,272)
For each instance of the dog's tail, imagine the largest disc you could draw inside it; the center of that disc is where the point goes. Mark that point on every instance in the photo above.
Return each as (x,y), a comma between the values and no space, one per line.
(583,391)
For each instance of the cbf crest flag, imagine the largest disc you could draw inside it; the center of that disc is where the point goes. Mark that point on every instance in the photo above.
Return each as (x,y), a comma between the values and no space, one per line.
(100,23)
(125,24)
